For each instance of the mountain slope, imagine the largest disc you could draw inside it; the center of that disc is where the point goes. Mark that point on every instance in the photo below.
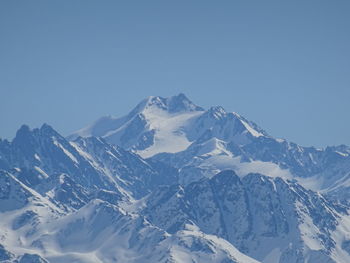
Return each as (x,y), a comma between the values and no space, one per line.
(215,187)
(71,173)
(101,232)
(166,125)
(269,219)
(203,142)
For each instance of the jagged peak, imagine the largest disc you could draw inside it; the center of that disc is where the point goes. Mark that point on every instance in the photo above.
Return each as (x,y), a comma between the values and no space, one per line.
(173,104)
(250,126)
(24,129)
(46,126)
(217,112)
(23,135)
(219,109)
(46,129)
(181,103)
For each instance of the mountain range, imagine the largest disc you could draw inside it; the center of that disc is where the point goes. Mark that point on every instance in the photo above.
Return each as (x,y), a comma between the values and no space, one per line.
(172,182)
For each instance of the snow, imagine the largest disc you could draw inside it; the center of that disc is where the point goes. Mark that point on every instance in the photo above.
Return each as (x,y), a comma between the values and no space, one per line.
(71,156)
(342,154)
(313,183)
(221,247)
(169,136)
(94,162)
(45,175)
(71,238)
(105,232)
(309,232)
(218,163)
(341,235)
(280,140)
(212,147)
(36,156)
(83,153)
(273,256)
(251,130)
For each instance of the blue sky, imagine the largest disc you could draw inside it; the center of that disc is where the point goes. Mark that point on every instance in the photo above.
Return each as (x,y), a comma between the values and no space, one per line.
(283,64)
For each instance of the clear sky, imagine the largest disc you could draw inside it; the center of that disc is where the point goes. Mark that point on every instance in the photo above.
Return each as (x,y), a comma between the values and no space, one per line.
(283,64)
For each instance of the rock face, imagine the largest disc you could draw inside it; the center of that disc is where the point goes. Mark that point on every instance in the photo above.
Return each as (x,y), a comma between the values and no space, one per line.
(172,182)
(257,214)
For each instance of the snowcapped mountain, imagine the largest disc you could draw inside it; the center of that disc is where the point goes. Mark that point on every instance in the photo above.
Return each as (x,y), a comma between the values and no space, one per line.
(202,143)
(170,125)
(46,161)
(172,182)
(102,232)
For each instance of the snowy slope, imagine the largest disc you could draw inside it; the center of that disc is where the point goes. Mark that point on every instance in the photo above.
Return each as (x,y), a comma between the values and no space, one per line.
(23,212)
(45,161)
(154,124)
(101,232)
(269,219)
(214,188)
(50,213)
(203,142)
(168,125)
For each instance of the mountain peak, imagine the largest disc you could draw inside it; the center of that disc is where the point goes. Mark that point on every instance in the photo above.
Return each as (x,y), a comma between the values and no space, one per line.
(23,133)
(47,129)
(174,104)
(217,112)
(24,129)
(180,103)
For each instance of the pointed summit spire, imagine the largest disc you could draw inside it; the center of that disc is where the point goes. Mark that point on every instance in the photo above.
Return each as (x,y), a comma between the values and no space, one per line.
(23,132)
(47,130)
(24,129)
(180,103)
